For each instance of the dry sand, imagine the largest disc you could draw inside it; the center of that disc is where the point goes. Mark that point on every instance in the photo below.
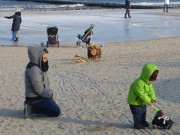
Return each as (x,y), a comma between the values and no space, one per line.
(92,94)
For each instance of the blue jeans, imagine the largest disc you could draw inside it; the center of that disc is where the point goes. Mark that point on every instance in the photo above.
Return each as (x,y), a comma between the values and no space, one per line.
(46,107)
(139,115)
(127,13)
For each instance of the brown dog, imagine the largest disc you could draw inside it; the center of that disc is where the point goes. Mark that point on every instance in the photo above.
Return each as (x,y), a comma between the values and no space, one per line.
(94,52)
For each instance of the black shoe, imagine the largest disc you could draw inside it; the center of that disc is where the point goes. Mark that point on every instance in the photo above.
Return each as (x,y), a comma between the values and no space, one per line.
(27,110)
(16,40)
(146,124)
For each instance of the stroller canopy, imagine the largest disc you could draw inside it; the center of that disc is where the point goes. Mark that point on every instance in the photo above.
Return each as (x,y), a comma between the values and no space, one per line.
(52,30)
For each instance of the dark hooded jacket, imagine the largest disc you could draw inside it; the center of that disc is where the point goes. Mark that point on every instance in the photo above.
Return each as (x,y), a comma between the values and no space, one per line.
(141,91)
(36,80)
(16,21)
(127,4)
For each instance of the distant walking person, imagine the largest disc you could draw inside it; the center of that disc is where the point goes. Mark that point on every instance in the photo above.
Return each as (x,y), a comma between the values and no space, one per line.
(166,6)
(16,24)
(128,6)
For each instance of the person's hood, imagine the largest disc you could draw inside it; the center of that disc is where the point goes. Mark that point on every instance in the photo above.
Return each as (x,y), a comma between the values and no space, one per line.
(35,55)
(147,71)
(18,13)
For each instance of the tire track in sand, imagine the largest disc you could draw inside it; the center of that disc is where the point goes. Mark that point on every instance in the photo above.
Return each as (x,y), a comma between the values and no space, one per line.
(66,87)
(65,84)
(89,82)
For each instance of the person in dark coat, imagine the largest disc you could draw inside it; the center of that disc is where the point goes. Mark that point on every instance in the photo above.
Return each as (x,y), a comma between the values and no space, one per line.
(128,6)
(16,24)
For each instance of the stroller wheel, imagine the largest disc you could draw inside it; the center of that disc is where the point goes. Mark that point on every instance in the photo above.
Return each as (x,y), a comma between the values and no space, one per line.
(58,43)
(47,44)
(78,43)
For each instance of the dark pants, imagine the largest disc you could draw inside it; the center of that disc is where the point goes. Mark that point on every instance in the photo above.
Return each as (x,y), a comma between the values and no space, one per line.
(127,13)
(46,107)
(139,115)
(166,8)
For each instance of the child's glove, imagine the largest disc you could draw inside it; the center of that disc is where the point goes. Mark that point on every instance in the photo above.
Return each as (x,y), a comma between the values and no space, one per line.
(153,103)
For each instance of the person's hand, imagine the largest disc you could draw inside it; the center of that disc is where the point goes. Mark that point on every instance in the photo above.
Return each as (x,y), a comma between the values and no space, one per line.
(51,96)
(152,103)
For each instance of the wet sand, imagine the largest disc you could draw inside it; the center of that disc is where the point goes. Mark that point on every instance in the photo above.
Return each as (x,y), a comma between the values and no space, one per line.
(110,25)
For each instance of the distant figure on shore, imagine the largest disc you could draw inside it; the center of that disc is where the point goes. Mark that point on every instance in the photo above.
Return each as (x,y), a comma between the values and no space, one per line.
(166,6)
(128,6)
(15,25)
(38,95)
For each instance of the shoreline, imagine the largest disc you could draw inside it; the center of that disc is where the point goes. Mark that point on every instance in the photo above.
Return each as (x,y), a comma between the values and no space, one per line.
(98,44)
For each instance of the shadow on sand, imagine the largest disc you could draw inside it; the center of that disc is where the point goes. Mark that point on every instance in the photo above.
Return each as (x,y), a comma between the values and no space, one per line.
(94,125)
(12,113)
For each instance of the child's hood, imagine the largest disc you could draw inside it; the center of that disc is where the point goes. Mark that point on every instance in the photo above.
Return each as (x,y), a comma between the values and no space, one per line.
(147,71)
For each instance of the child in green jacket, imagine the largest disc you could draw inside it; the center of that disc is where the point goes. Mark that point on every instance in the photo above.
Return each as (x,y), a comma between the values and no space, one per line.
(141,93)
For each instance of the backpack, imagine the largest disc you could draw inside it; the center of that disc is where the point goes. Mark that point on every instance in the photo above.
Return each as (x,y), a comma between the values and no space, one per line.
(161,120)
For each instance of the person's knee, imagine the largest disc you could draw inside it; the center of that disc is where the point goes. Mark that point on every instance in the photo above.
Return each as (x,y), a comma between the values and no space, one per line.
(57,112)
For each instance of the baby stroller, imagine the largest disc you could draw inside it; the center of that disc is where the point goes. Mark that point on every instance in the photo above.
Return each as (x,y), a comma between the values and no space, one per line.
(86,38)
(52,35)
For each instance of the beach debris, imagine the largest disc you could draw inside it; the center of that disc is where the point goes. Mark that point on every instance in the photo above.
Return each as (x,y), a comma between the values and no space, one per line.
(102,45)
(77,55)
(94,51)
(80,60)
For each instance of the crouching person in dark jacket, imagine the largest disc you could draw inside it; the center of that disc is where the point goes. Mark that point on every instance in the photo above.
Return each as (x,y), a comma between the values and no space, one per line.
(38,96)
(15,25)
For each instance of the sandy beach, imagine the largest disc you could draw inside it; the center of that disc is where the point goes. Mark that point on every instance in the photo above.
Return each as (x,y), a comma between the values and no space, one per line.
(92,94)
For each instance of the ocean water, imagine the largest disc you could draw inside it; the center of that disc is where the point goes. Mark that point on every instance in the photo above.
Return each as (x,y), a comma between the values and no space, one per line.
(31,4)
(110,25)
(132,1)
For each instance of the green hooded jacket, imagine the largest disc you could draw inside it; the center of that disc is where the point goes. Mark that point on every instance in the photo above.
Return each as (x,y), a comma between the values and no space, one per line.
(141,91)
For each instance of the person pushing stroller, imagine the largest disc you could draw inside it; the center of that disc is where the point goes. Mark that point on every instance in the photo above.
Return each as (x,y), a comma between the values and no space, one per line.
(17,20)
(86,38)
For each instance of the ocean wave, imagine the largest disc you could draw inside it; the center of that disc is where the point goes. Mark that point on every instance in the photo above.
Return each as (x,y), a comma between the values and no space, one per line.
(154,4)
(23,7)
(79,5)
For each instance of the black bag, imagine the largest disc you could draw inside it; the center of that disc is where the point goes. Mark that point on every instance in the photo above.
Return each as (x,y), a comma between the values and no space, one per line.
(161,120)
